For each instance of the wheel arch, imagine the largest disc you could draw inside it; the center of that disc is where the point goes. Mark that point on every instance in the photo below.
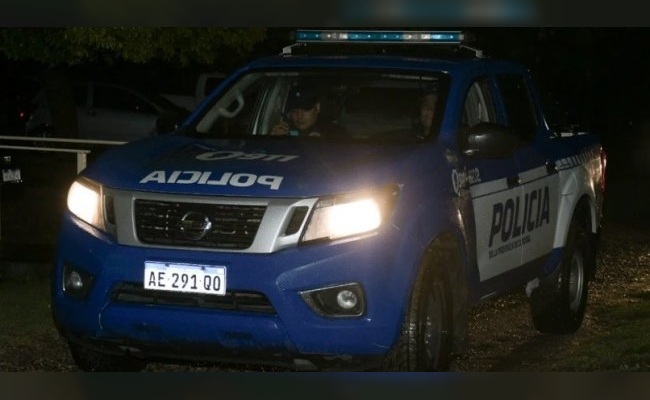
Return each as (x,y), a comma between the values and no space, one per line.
(575,192)
(584,210)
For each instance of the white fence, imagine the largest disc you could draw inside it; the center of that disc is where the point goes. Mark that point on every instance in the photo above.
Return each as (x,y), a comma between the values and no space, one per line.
(31,141)
(82,154)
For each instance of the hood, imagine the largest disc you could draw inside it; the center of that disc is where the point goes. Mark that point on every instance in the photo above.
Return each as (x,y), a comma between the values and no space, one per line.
(255,167)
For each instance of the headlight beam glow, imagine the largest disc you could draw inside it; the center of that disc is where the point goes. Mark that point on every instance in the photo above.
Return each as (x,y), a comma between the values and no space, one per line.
(84,201)
(353,218)
(346,216)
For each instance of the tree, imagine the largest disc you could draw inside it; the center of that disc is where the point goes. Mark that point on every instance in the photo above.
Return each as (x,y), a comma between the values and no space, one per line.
(55,50)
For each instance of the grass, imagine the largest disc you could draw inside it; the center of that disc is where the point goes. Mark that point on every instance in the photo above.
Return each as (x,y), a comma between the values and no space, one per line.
(619,342)
(30,341)
(24,308)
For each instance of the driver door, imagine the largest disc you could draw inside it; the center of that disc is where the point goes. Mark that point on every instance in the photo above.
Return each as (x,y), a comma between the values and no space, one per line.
(495,190)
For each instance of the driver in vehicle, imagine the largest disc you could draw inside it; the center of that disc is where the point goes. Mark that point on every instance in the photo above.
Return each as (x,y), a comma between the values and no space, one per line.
(303,115)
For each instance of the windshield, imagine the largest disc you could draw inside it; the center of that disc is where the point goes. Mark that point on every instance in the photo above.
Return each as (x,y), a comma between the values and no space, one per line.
(358,105)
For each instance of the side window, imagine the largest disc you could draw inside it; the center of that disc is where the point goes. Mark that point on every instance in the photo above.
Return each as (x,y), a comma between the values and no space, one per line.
(478,106)
(118,99)
(519,105)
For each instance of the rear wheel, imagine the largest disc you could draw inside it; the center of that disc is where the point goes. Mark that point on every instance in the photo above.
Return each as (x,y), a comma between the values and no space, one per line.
(558,304)
(92,361)
(425,339)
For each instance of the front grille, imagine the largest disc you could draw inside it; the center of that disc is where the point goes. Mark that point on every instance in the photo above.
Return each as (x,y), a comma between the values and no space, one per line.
(231,227)
(233,301)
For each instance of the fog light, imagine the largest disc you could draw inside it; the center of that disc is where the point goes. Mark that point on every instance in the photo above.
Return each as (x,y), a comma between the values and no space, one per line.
(76,283)
(336,301)
(346,299)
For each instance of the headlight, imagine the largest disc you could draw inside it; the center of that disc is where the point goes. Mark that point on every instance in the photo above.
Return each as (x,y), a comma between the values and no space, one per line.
(349,215)
(85,200)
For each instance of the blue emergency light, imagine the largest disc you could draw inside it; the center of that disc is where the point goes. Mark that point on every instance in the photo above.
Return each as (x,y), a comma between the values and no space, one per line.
(397,37)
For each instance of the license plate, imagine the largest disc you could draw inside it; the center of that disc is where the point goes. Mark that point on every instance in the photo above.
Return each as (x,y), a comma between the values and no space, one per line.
(192,278)
(11,175)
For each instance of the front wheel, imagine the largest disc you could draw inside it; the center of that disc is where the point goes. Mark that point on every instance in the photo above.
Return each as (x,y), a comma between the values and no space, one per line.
(558,304)
(425,339)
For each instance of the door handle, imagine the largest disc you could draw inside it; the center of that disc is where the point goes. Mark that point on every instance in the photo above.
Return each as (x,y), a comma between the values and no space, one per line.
(551,167)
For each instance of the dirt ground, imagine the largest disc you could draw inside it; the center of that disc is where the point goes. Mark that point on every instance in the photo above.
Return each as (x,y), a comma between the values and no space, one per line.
(502,334)
(502,337)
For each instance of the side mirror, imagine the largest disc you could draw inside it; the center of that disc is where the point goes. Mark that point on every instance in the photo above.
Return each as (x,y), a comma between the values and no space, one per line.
(489,140)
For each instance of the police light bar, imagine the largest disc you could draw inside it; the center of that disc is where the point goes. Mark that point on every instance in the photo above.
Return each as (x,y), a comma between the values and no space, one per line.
(395,37)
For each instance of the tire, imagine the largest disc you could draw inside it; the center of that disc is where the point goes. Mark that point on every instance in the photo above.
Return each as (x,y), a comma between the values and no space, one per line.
(425,338)
(558,304)
(92,361)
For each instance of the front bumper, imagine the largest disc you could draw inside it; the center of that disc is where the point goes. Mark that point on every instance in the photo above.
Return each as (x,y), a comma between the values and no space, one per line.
(288,332)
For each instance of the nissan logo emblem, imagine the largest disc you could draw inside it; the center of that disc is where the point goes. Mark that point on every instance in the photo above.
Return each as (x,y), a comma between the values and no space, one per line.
(195,225)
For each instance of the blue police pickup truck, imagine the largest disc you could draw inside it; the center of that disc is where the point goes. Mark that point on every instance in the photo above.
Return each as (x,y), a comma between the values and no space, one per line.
(339,206)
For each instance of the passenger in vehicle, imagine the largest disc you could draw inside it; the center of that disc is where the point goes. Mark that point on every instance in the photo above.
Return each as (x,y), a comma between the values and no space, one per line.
(303,116)
(427,102)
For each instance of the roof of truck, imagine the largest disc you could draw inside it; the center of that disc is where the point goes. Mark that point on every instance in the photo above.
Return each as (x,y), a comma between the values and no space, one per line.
(383,49)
